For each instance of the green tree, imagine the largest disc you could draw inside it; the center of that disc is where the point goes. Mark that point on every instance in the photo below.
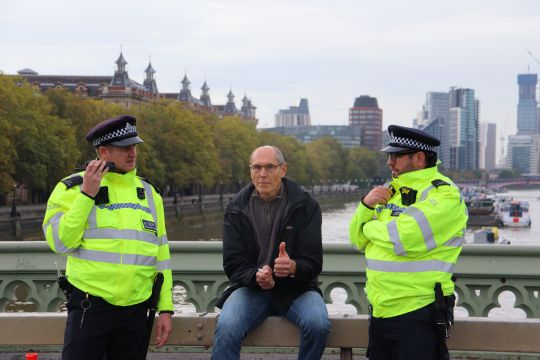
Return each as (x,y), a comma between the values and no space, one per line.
(44,145)
(365,164)
(8,156)
(509,174)
(182,140)
(326,159)
(235,139)
(83,114)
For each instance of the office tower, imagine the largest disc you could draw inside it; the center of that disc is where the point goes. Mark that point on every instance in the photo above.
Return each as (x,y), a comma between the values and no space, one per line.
(347,136)
(366,114)
(463,129)
(294,115)
(523,153)
(435,115)
(527,115)
(488,145)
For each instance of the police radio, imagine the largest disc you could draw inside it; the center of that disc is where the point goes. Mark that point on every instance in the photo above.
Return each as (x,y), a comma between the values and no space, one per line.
(110,165)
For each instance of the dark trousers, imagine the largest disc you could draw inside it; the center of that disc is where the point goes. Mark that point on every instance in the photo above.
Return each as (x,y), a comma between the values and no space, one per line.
(108,332)
(411,336)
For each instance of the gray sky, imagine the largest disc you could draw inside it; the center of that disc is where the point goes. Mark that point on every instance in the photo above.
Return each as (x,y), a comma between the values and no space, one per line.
(279,51)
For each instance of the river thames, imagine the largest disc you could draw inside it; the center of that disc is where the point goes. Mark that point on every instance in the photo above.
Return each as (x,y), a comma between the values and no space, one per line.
(335,225)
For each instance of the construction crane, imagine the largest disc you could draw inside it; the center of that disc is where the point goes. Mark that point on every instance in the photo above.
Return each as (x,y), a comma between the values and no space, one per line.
(534,57)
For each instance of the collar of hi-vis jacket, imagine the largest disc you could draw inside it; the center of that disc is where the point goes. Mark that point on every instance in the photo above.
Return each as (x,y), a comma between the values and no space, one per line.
(418,177)
(121,179)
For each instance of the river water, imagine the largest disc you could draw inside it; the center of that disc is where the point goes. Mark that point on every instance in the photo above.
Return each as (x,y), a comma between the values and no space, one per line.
(336,221)
(335,228)
(335,225)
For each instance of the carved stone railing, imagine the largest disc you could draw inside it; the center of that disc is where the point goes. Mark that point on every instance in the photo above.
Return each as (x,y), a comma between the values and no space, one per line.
(488,278)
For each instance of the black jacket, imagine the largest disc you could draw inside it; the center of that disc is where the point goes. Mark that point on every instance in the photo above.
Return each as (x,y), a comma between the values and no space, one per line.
(299,228)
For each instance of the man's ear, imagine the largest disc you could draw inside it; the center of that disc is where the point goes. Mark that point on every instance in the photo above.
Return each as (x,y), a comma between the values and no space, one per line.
(283,169)
(102,151)
(421,160)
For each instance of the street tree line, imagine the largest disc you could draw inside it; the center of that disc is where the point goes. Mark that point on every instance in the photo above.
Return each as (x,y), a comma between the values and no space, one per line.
(43,140)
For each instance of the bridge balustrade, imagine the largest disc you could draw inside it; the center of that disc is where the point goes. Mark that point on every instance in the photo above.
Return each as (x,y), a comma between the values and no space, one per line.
(491,280)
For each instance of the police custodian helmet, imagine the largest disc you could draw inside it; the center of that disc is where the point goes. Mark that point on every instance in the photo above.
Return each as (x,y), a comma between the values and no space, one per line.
(407,140)
(120,131)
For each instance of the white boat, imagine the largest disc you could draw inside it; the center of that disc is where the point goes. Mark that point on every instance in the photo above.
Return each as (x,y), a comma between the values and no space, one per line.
(515,214)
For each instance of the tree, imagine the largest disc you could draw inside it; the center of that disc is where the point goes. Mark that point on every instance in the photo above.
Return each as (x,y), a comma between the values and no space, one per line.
(182,141)
(366,164)
(44,145)
(326,159)
(509,174)
(82,114)
(235,139)
(8,157)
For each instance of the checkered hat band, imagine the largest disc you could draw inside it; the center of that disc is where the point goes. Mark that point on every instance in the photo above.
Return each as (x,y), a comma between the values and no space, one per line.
(410,143)
(118,134)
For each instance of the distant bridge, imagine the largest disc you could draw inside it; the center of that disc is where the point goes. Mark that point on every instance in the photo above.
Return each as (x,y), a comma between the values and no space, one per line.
(501,183)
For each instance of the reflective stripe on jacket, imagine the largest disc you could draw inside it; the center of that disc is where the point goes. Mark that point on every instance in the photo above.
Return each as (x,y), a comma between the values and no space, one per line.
(410,248)
(114,249)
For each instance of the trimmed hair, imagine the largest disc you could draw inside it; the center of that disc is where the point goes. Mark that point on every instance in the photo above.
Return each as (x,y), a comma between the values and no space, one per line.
(431,159)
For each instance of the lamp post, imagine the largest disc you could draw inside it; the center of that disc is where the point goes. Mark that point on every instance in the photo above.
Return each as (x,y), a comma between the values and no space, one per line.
(221,191)
(15,223)
(14,213)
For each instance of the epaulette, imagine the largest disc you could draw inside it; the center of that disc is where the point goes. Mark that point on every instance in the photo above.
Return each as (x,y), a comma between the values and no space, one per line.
(148,181)
(72,181)
(439,182)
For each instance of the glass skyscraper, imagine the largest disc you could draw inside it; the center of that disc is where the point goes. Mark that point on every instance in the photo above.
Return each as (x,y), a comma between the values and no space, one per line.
(463,129)
(527,118)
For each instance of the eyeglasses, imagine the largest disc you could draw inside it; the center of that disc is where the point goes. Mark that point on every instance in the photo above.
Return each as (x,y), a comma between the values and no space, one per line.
(394,156)
(270,168)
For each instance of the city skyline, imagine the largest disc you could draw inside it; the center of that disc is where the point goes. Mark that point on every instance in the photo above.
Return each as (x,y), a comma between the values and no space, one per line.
(280,52)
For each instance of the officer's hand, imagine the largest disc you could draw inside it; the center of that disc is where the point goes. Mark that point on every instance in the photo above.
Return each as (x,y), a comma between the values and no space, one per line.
(163,329)
(264,278)
(92,177)
(378,195)
(284,265)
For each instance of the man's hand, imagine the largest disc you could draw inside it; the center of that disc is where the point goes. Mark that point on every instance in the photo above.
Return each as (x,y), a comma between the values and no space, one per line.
(264,278)
(378,195)
(92,177)
(284,266)
(163,329)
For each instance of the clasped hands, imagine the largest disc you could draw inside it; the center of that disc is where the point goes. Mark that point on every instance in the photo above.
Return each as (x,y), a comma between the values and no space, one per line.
(283,266)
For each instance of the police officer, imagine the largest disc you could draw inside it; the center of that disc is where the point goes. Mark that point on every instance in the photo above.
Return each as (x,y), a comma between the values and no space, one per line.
(110,224)
(411,231)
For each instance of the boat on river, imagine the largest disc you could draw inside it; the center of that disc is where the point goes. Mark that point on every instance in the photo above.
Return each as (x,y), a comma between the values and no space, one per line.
(515,214)
(482,208)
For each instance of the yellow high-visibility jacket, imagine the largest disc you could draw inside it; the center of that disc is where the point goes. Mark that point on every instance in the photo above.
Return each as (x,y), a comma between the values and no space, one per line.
(115,245)
(408,248)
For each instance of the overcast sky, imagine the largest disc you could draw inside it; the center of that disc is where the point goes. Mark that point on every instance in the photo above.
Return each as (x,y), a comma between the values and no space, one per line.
(279,51)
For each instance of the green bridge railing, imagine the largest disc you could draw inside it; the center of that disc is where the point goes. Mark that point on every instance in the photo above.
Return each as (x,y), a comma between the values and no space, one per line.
(485,275)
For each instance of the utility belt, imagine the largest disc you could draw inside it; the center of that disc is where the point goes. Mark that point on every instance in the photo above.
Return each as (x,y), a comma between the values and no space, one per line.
(86,303)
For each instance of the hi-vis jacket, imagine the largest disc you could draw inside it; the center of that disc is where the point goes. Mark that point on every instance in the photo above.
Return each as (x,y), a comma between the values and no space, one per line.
(115,245)
(412,242)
